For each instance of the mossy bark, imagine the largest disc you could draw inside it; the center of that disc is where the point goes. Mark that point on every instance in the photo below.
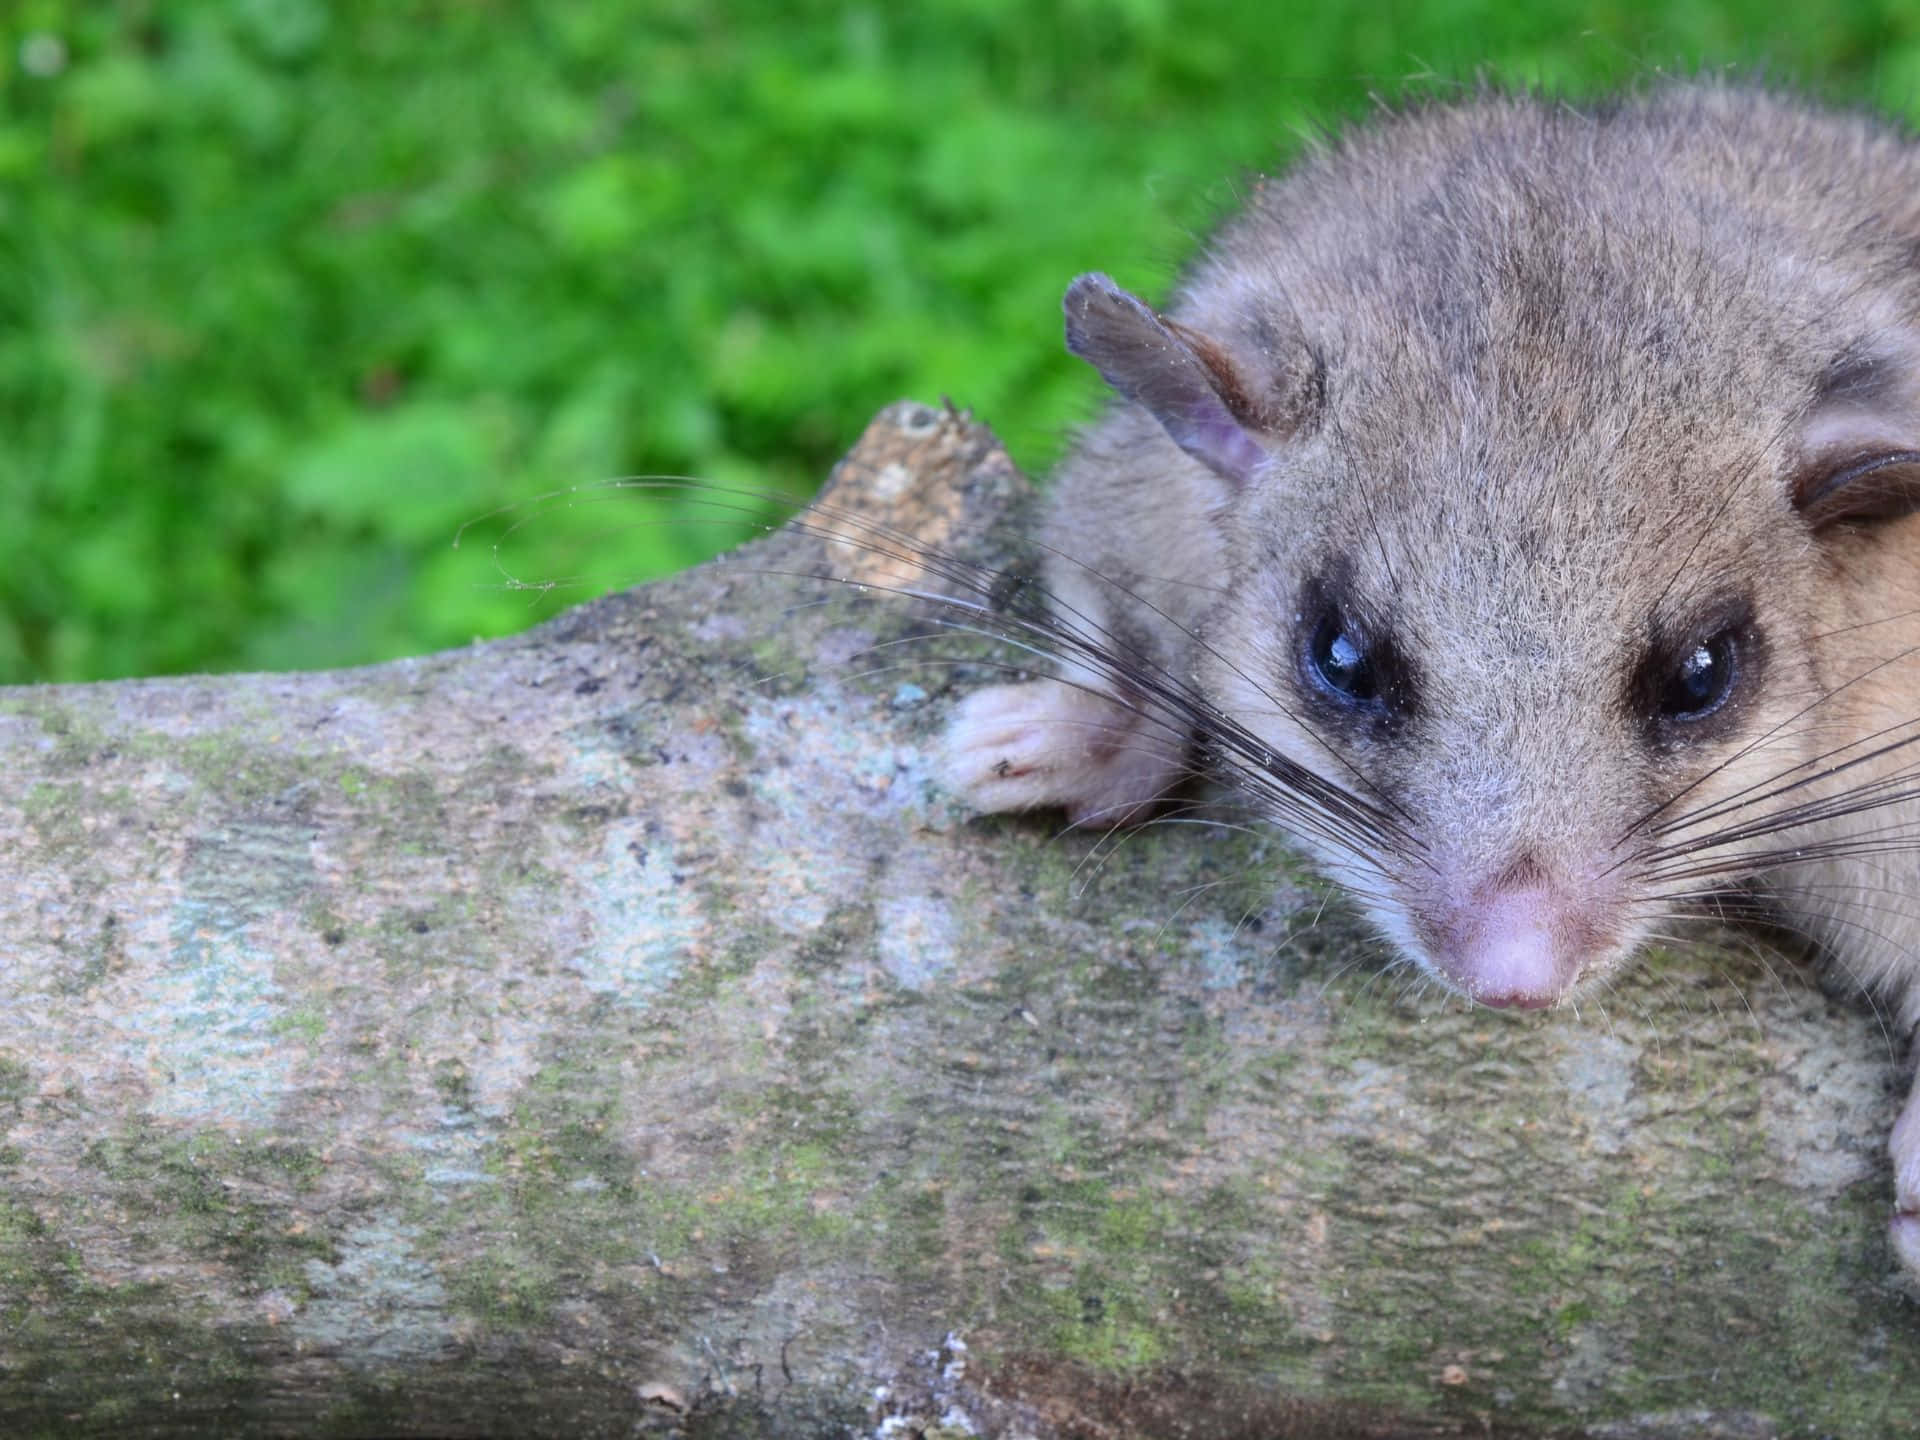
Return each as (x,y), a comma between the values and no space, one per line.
(615,1028)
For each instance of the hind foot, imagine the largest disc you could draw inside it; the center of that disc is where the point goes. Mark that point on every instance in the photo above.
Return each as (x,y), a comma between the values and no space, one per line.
(1048,743)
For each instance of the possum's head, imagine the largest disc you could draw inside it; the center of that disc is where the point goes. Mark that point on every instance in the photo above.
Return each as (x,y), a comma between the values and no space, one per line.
(1539,490)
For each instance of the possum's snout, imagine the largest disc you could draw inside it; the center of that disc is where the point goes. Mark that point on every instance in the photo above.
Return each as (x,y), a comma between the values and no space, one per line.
(1523,940)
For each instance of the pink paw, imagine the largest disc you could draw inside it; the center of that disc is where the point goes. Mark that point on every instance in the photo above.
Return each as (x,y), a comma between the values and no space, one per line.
(1904,1230)
(1904,1234)
(1049,743)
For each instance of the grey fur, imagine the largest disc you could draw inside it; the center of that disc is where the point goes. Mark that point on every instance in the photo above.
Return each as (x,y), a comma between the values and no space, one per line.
(1543,395)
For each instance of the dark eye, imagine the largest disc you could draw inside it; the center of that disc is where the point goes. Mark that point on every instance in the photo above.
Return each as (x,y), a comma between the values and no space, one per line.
(1339,661)
(1702,679)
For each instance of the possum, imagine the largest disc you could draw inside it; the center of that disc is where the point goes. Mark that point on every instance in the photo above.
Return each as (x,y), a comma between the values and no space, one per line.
(1517,502)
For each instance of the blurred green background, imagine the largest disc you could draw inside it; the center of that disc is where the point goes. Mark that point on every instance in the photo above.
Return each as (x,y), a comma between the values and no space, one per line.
(290,289)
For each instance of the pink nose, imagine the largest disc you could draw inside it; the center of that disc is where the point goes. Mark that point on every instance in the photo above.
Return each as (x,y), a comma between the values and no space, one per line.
(1511,948)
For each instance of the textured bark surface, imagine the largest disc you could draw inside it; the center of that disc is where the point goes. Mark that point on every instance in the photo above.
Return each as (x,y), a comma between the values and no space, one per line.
(614,1029)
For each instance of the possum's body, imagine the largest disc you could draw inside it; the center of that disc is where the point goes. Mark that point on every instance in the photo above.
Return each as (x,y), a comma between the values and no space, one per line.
(1520,498)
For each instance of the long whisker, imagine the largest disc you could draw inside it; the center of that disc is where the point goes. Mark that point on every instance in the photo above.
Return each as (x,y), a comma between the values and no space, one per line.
(1748,795)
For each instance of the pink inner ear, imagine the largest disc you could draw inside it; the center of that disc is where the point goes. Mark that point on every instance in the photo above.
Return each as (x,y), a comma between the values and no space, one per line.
(1180,377)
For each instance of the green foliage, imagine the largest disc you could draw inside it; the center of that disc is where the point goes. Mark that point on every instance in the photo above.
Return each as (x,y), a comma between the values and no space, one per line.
(289,289)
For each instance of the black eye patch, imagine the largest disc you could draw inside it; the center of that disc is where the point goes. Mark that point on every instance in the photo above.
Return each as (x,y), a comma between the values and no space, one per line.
(1348,662)
(1695,677)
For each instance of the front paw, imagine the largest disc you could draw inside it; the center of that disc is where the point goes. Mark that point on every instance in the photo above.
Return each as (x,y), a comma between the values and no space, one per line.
(1904,1230)
(1903,1233)
(1048,743)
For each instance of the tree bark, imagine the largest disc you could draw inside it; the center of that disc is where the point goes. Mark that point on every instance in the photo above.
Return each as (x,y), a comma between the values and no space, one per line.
(615,1029)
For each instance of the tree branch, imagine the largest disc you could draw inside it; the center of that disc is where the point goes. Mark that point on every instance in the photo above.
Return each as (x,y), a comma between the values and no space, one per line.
(615,1027)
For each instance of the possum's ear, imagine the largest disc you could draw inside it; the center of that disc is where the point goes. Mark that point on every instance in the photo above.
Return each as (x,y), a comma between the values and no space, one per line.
(1189,382)
(1860,446)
